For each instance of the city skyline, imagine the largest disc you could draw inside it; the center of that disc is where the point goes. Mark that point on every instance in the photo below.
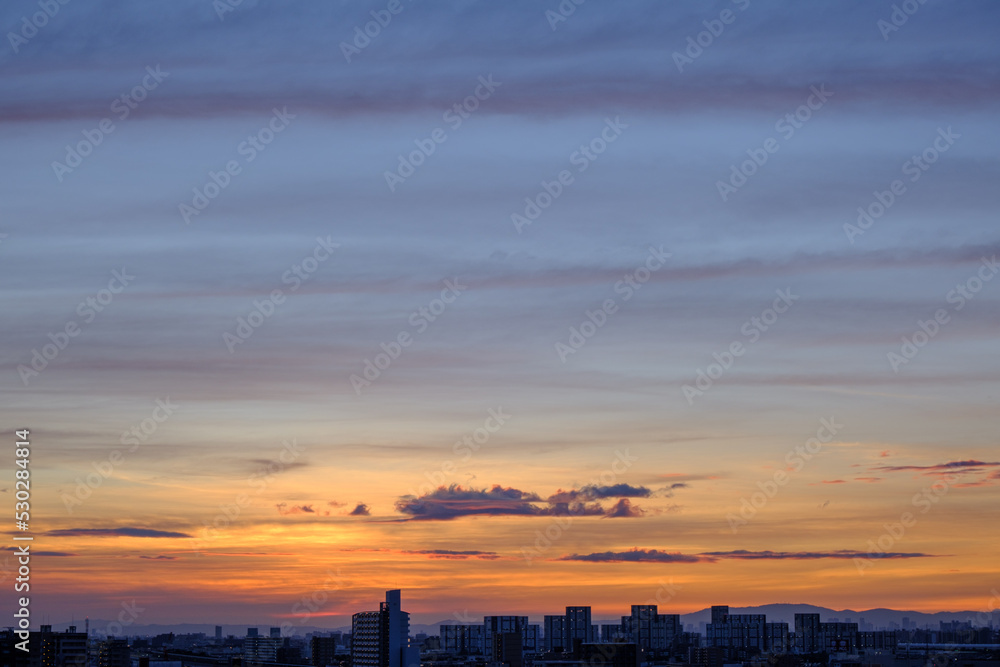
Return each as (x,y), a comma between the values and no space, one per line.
(515,305)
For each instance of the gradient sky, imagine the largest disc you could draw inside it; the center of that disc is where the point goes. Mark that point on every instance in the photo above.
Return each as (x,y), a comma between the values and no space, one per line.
(370,484)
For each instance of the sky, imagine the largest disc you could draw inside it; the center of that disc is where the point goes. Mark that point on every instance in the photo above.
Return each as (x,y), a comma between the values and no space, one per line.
(510,305)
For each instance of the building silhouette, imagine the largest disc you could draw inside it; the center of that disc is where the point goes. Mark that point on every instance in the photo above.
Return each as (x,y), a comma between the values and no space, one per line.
(382,638)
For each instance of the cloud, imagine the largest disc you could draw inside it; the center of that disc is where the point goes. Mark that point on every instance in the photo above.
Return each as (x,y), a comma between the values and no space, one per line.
(680,479)
(113,532)
(451,502)
(830,481)
(159,557)
(742,554)
(636,556)
(270,466)
(283,509)
(971,465)
(571,509)
(596,492)
(454,555)
(54,554)
(623,509)
(989,480)
(334,503)
(455,501)
(360,510)
(657,556)
(869,480)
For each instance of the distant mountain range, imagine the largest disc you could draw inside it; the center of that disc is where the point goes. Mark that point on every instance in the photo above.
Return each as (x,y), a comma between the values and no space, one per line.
(775,612)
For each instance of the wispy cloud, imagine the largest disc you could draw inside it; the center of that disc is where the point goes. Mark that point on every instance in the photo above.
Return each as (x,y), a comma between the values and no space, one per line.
(284,509)
(636,556)
(454,555)
(657,556)
(742,554)
(970,465)
(113,532)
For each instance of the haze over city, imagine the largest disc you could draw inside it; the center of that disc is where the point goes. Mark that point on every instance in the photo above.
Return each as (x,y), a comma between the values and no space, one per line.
(511,306)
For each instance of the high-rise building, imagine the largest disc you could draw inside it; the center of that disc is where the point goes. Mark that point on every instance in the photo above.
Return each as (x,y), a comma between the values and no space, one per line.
(218,634)
(719,613)
(531,640)
(114,653)
(612,633)
(807,639)
(382,638)
(322,651)
(554,633)
(777,637)
(618,654)
(838,637)
(61,649)
(508,649)
(652,631)
(261,649)
(462,639)
(579,629)
(493,626)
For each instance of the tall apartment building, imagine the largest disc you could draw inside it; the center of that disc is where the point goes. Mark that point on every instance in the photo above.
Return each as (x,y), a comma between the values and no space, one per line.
(651,630)
(462,639)
(554,634)
(61,649)
(579,629)
(382,638)
(114,653)
(322,651)
(493,626)
(807,639)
